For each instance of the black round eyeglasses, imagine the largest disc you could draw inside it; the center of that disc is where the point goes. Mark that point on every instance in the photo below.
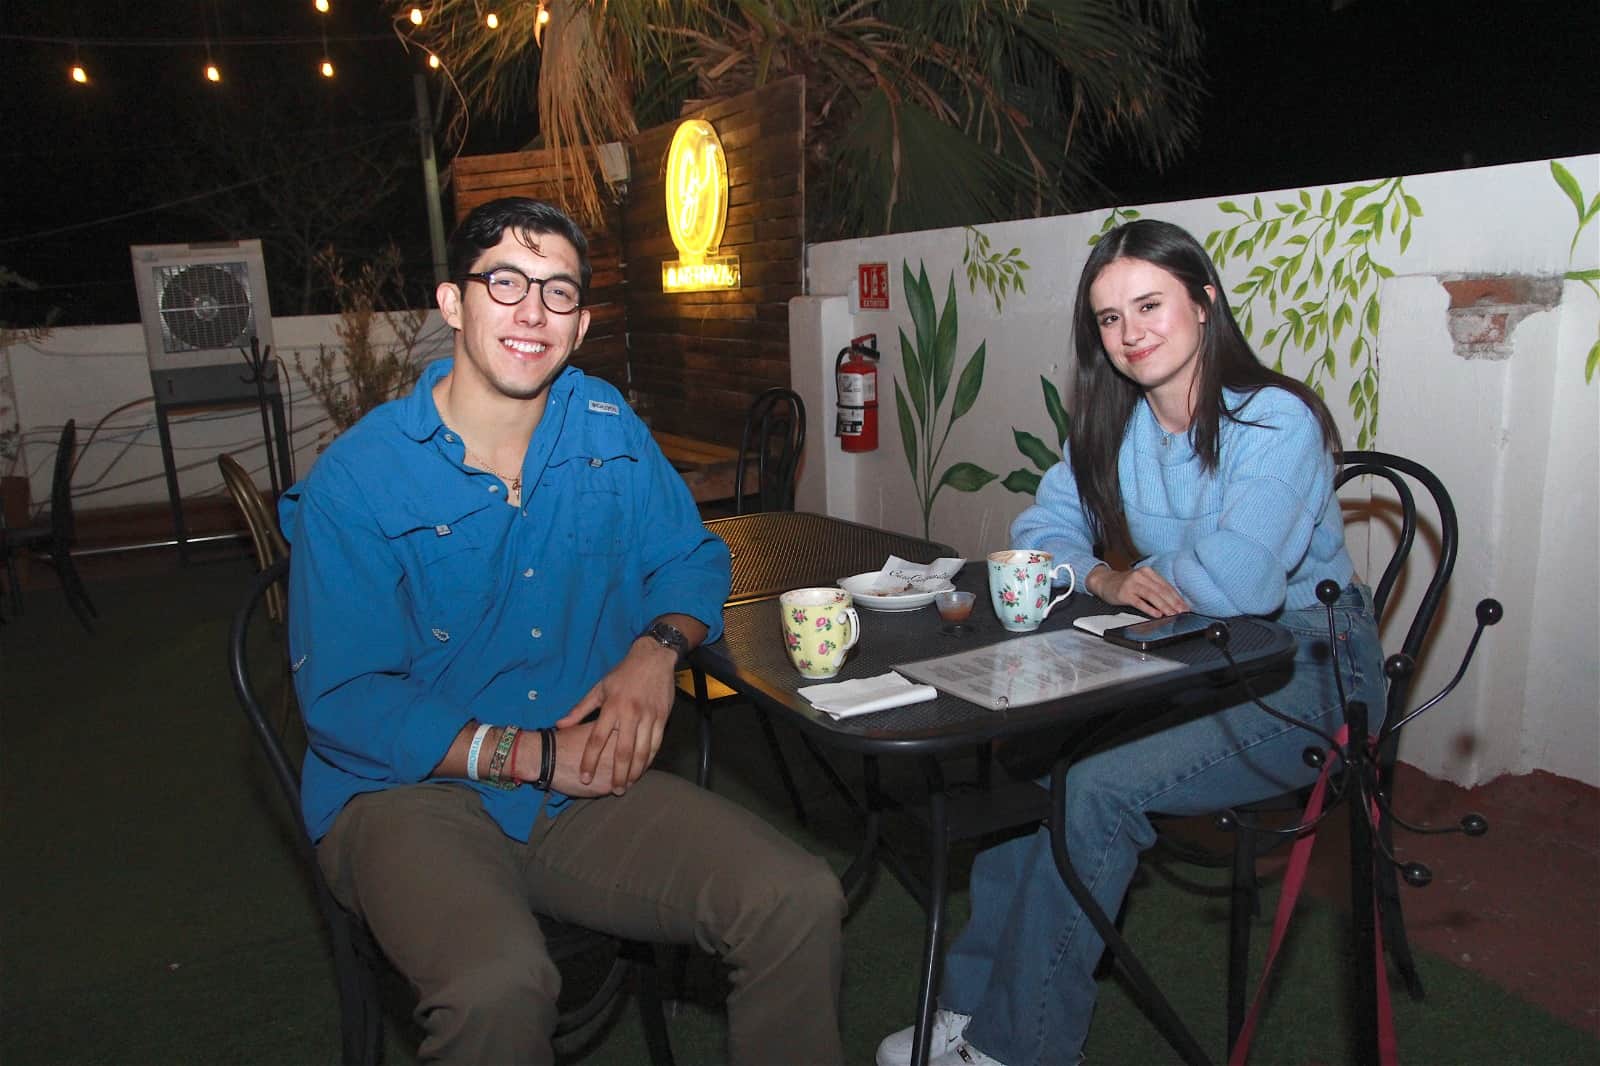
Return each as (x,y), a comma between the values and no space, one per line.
(510,286)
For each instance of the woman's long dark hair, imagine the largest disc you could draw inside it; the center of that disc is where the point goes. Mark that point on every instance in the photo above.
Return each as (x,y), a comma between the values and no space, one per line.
(1103,399)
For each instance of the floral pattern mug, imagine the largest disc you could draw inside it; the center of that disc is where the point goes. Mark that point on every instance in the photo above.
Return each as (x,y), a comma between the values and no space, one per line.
(819,627)
(1019,584)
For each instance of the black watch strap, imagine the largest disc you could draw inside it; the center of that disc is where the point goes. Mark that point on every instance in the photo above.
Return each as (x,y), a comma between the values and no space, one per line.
(669,636)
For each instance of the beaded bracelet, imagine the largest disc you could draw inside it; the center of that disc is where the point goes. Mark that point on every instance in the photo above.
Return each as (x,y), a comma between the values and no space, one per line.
(497,762)
(511,762)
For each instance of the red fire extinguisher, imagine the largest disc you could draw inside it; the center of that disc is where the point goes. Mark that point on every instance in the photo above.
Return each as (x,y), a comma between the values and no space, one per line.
(856,375)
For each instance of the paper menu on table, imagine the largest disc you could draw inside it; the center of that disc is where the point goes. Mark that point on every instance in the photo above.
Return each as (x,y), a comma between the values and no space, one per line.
(1033,669)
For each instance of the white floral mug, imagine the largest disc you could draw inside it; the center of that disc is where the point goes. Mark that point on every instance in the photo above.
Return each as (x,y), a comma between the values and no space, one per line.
(1019,585)
(819,627)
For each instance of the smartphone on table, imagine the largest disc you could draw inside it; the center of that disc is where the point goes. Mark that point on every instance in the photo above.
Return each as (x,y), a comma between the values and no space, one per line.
(1156,632)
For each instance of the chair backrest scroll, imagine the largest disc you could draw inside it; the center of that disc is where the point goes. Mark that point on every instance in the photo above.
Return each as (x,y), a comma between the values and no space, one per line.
(773,438)
(62,525)
(1394,469)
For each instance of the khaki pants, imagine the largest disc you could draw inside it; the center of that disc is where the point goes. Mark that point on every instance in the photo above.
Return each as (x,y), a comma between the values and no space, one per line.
(450,900)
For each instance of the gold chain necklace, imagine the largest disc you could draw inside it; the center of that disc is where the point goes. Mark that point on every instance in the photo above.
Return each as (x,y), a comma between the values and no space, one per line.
(513,484)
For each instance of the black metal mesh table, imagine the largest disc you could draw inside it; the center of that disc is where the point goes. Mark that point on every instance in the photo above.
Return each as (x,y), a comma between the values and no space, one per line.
(750,658)
(774,551)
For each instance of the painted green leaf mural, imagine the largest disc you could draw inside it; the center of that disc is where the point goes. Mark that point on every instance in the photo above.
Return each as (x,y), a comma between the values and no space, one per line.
(998,273)
(929,362)
(1043,456)
(1589,278)
(1313,281)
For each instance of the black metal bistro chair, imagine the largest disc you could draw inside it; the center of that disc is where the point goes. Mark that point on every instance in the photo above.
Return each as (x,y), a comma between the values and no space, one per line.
(770,446)
(357,960)
(773,439)
(53,540)
(1359,771)
(262,523)
(1253,833)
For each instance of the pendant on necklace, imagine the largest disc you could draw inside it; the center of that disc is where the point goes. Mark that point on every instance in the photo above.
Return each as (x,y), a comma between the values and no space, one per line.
(513,484)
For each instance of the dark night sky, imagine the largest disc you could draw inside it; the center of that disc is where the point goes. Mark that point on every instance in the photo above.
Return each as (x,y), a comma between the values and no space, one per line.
(1299,94)
(137,135)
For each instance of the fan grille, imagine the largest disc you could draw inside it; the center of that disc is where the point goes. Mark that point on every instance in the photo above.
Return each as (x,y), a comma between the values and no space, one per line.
(204,306)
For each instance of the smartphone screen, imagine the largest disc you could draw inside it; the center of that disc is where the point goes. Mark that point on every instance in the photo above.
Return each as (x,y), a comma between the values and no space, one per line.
(1159,631)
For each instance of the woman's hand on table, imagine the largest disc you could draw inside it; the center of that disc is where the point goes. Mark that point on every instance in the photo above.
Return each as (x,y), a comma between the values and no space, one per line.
(1142,589)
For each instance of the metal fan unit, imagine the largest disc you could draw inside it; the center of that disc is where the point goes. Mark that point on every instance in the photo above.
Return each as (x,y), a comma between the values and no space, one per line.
(201,304)
(208,336)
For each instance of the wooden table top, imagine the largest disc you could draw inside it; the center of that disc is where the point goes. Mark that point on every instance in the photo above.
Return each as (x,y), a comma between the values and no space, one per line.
(709,469)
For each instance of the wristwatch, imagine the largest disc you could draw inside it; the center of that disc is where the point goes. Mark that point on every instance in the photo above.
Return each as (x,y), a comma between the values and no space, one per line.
(668,636)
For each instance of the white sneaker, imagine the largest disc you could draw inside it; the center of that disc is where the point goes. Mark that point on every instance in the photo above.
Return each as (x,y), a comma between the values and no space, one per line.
(947,1029)
(963,1054)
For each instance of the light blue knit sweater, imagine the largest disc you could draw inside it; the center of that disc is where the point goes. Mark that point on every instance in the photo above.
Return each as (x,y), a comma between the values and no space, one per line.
(1252,537)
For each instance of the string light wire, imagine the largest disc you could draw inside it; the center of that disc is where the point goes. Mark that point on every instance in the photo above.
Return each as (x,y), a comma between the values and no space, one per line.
(187,42)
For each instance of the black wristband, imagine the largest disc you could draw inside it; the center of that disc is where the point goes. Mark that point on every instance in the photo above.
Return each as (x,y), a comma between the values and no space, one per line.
(547,759)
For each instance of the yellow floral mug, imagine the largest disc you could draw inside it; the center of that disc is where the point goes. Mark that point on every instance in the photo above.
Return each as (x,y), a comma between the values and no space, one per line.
(1019,585)
(819,627)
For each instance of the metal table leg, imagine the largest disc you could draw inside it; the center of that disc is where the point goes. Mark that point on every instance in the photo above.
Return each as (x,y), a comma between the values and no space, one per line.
(1164,1016)
(938,872)
(702,705)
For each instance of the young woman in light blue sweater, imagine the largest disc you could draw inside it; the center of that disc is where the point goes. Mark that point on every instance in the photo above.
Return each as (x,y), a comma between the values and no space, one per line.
(1196,479)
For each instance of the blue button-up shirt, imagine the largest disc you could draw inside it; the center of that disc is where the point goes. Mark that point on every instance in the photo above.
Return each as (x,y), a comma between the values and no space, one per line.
(420,601)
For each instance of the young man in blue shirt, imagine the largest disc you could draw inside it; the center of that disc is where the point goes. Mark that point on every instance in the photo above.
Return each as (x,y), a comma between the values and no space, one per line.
(493,581)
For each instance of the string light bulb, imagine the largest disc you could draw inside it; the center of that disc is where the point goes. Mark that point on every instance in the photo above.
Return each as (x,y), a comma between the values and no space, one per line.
(540,17)
(492,21)
(327,65)
(321,5)
(416,16)
(212,73)
(80,75)
(433,61)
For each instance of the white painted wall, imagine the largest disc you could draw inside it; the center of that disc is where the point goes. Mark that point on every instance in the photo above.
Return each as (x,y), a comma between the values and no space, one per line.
(100,374)
(1516,439)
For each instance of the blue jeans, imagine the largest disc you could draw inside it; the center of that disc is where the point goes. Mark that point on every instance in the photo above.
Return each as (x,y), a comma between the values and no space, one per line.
(1024,965)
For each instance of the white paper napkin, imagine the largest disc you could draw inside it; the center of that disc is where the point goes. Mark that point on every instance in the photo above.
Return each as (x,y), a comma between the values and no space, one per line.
(1099,623)
(842,699)
(900,576)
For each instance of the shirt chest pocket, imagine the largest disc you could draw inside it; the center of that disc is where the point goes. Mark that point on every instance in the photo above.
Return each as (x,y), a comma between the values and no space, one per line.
(591,489)
(599,529)
(453,574)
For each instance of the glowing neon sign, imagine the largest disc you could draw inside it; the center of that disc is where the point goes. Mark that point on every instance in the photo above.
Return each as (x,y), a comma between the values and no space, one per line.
(697,211)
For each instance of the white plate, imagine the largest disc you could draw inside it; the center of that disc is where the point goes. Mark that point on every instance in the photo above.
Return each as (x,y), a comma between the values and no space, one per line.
(860,587)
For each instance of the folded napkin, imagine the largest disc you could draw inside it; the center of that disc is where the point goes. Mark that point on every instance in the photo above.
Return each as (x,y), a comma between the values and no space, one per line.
(1099,623)
(900,576)
(842,699)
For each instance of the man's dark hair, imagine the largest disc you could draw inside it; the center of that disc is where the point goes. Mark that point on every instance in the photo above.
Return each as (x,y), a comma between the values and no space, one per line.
(528,218)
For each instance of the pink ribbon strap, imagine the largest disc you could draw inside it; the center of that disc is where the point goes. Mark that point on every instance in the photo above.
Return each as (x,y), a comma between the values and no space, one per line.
(1293,880)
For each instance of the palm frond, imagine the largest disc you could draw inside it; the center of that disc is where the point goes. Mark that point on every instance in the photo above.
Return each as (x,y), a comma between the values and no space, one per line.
(1040,87)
